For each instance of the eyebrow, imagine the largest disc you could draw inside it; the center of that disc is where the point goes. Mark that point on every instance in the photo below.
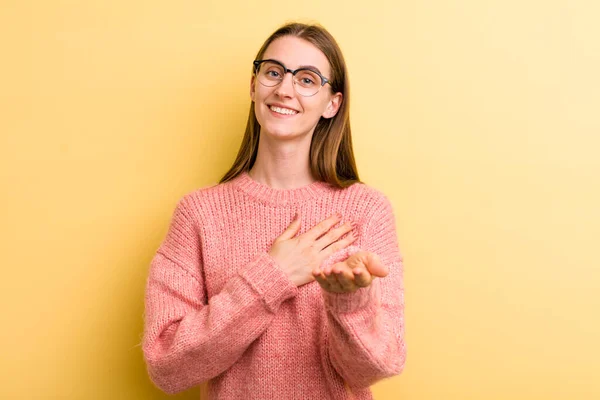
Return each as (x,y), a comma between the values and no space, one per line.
(310,67)
(301,66)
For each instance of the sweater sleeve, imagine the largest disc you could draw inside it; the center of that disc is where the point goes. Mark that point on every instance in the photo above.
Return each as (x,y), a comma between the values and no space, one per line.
(188,340)
(365,340)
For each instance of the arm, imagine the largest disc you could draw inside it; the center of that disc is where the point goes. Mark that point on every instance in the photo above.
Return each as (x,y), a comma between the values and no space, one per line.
(188,340)
(365,340)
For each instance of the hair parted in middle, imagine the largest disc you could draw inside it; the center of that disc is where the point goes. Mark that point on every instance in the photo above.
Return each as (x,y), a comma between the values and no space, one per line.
(331,154)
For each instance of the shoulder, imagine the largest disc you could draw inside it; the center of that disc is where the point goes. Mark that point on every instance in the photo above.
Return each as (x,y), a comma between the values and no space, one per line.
(210,198)
(373,204)
(205,193)
(370,196)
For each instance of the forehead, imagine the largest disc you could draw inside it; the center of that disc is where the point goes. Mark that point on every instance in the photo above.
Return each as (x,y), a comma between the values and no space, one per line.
(294,52)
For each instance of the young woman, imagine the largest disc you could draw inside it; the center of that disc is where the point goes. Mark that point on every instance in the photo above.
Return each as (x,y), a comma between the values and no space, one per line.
(258,288)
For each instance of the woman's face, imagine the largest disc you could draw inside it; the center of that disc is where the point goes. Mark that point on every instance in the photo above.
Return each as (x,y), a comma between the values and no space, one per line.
(293,52)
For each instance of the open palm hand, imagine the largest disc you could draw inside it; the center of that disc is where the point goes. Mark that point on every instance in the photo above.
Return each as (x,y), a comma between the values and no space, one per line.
(349,275)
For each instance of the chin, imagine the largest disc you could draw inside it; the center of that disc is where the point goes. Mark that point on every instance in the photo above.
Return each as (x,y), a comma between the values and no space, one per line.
(280,132)
(281,129)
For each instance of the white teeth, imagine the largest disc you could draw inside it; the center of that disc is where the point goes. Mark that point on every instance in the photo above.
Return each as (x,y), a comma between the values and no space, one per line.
(280,110)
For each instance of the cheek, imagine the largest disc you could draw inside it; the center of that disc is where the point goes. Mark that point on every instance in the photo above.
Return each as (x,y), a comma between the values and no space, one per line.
(316,108)
(259,92)
(314,105)
(259,102)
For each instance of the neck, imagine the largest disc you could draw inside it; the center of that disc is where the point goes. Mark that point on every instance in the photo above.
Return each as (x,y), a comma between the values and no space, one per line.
(283,164)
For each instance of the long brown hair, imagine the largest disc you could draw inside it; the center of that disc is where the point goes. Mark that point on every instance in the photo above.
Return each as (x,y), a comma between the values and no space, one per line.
(331,154)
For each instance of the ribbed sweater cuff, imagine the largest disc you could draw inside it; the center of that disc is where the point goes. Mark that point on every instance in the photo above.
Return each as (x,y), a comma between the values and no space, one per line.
(350,302)
(267,279)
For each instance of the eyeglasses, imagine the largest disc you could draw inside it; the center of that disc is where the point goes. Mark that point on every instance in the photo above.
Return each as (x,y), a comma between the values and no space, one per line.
(307,81)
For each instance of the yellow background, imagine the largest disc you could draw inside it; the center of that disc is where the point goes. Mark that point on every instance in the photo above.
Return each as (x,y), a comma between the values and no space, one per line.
(479,120)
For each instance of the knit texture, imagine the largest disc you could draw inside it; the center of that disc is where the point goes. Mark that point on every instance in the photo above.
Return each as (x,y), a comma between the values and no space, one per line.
(218,307)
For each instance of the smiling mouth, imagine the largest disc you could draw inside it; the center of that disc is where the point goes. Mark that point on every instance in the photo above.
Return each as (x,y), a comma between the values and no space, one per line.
(284,111)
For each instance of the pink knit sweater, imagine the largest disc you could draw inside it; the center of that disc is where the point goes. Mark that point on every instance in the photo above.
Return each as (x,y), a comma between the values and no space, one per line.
(218,308)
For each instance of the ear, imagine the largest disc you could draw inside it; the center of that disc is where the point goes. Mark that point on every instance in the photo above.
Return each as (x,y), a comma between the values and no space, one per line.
(333,106)
(252,90)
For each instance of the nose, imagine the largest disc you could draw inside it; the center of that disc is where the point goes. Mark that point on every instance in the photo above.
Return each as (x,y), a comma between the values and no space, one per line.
(286,86)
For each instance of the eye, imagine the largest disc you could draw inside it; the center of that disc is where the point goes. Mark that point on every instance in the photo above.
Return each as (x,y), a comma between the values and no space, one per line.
(307,78)
(273,74)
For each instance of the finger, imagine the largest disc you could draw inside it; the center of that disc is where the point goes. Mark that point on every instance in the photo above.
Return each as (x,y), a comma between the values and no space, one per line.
(321,228)
(362,277)
(292,228)
(334,234)
(325,282)
(320,277)
(345,278)
(375,266)
(332,280)
(339,245)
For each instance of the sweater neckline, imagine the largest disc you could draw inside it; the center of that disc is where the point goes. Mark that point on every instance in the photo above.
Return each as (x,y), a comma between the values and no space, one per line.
(272,196)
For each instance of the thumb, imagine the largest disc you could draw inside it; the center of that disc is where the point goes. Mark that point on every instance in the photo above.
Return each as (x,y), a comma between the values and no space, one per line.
(292,228)
(375,266)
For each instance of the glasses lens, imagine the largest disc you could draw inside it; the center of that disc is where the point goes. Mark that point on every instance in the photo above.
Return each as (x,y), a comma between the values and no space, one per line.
(308,82)
(270,73)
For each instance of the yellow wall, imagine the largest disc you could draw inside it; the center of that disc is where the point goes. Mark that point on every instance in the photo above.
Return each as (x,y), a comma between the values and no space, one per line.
(479,119)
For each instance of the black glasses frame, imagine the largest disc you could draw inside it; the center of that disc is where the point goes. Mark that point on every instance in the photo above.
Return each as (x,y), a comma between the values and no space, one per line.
(293,71)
